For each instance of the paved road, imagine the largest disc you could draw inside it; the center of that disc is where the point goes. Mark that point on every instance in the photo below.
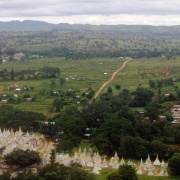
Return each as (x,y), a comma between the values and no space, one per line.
(112,77)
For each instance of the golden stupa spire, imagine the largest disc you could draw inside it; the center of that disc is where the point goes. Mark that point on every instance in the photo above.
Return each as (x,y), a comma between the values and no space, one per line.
(157,157)
(20,130)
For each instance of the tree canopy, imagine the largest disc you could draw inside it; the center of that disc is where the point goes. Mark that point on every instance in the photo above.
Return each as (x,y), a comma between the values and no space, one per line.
(174,164)
(125,172)
(22,158)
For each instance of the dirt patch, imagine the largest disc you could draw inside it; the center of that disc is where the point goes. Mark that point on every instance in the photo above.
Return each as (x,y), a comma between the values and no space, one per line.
(176,146)
(166,72)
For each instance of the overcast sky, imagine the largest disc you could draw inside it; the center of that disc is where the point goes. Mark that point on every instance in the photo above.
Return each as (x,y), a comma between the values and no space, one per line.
(152,12)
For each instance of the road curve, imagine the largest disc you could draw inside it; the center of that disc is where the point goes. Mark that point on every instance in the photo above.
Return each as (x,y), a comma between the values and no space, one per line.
(112,77)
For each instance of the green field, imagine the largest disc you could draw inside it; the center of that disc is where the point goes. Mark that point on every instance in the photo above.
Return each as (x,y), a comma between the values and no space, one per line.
(105,172)
(84,74)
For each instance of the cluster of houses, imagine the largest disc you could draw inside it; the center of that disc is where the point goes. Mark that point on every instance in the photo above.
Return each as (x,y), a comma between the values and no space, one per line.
(16,56)
(16,89)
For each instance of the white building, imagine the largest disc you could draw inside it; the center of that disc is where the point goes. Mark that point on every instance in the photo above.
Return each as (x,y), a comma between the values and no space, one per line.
(176,114)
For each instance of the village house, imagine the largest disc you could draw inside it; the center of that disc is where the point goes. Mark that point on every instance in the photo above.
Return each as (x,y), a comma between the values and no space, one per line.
(17,89)
(18,56)
(15,95)
(176,114)
(29,99)
(4,101)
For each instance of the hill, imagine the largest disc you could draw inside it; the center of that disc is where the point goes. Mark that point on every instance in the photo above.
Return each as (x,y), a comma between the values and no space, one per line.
(30,25)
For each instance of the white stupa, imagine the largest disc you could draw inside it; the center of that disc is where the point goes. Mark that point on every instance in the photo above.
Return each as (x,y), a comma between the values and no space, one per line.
(148,165)
(162,163)
(122,162)
(156,162)
(95,169)
(116,156)
(161,173)
(89,162)
(139,171)
(150,173)
(104,163)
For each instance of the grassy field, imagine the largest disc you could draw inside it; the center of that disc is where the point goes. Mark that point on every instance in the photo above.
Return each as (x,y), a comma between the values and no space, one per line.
(83,74)
(140,71)
(105,172)
(86,73)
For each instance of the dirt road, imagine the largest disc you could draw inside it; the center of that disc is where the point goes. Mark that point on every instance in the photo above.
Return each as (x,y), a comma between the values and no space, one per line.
(112,77)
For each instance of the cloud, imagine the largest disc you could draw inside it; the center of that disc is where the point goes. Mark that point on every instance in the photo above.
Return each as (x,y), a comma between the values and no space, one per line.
(92,10)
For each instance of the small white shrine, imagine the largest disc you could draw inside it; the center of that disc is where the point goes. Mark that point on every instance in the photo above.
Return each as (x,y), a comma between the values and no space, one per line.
(152,169)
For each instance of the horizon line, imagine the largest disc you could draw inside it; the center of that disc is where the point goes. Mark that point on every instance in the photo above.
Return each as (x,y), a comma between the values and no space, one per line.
(13,20)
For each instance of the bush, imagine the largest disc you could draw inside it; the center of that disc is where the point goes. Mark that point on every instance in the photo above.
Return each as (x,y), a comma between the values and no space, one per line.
(174,164)
(127,172)
(114,176)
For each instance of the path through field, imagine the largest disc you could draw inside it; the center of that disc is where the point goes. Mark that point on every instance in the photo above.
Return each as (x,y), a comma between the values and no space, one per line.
(112,77)
(13,84)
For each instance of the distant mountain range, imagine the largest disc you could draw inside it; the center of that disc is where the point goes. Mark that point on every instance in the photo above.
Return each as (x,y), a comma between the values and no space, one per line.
(30,25)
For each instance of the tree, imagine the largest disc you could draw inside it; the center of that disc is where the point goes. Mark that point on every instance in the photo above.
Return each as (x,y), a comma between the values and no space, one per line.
(125,95)
(58,172)
(127,172)
(57,104)
(142,96)
(152,83)
(11,58)
(5,176)
(68,142)
(22,158)
(26,96)
(153,110)
(12,74)
(26,176)
(133,147)
(114,176)
(53,156)
(157,146)
(117,86)
(178,93)
(10,51)
(54,172)
(13,117)
(108,136)
(62,81)
(52,84)
(174,164)
(77,173)
(176,134)
(159,91)
(49,129)
(51,72)
(109,90)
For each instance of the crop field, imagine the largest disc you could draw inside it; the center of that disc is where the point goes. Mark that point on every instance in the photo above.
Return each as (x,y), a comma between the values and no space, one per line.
(138,72)
(79,74)
(92,73)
